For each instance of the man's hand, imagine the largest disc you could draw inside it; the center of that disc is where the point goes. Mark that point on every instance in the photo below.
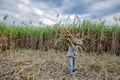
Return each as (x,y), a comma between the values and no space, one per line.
(68,39)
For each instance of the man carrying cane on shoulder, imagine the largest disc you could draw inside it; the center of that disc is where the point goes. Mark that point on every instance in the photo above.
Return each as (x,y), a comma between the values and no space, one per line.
(72,54)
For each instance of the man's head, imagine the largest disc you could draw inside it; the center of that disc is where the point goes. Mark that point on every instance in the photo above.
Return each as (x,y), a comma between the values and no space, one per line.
(78,42)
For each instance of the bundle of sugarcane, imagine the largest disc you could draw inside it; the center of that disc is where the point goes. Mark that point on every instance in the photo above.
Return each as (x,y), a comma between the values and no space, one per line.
(67,36)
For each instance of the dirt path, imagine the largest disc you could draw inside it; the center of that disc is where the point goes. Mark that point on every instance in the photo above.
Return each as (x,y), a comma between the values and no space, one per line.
(38,65)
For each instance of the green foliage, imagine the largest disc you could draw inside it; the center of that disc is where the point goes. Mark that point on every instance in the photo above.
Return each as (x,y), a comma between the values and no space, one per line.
(100,36)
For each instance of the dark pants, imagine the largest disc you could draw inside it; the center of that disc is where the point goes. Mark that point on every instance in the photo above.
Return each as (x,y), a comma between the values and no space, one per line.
(71,61)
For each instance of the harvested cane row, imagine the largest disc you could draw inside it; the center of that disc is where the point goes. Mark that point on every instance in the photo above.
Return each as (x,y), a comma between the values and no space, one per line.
(42,65)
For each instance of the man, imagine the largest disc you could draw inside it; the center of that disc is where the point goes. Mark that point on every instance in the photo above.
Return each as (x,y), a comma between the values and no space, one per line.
(72,54)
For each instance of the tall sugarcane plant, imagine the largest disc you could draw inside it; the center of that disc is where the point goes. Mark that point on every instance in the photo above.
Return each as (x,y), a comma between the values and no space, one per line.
(100,37)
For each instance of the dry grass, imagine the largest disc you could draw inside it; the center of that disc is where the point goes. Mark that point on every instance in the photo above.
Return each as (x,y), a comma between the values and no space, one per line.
(39,65)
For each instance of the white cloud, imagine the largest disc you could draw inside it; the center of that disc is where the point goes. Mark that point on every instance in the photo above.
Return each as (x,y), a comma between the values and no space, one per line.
(89,1)
(99,6)
(37,11)
(67,4)
(25,10)
(102,6)
(48,21)
(25,1)
(72,17)
(23,7)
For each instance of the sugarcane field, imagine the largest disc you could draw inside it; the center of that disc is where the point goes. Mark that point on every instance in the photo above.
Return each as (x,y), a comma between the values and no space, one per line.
(40,53)
(59,40)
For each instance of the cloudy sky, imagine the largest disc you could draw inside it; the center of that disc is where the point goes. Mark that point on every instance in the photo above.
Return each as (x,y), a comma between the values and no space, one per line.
(54,11)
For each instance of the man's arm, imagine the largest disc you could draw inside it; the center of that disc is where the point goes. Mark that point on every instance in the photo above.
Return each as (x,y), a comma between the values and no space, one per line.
(71,43)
